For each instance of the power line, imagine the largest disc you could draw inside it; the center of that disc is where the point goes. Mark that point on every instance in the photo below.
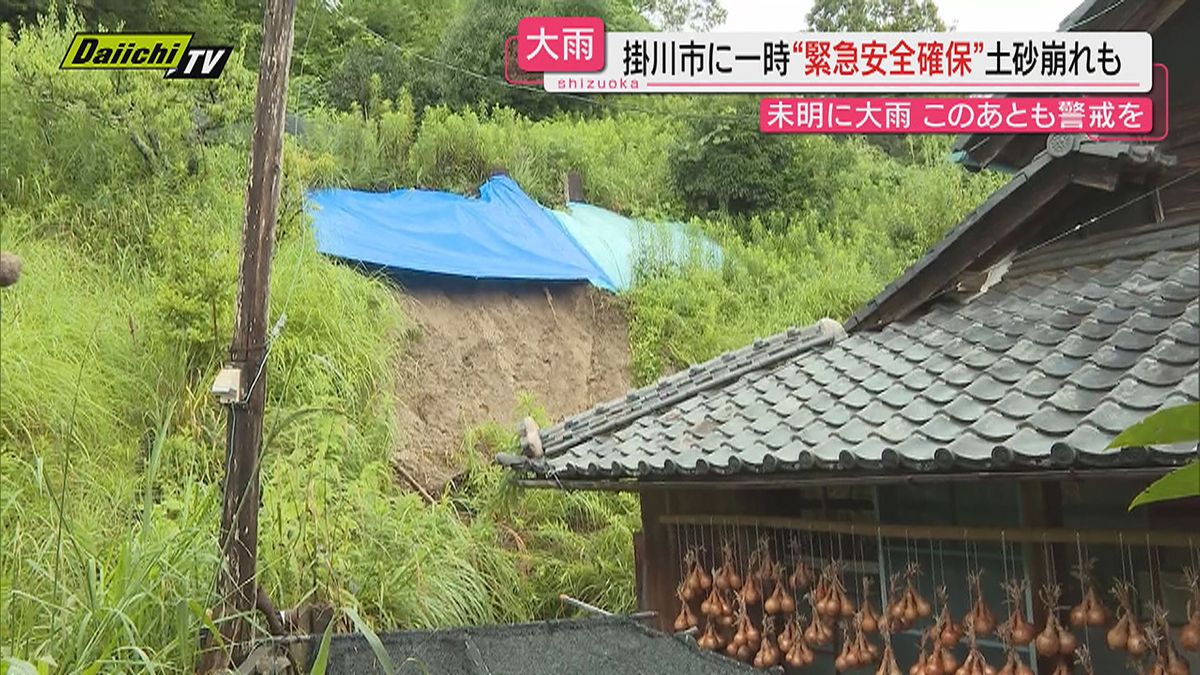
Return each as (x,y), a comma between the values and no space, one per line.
(1093,17)
(489,79)
(1094,219)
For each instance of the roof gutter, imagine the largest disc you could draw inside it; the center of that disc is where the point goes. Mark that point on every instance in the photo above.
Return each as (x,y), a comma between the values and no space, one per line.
(792,481)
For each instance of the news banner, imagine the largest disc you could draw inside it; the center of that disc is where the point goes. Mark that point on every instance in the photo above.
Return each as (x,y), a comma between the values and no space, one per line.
(1093,83)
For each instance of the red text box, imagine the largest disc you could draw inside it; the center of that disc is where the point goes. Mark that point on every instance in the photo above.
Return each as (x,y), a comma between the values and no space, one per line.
(555,44)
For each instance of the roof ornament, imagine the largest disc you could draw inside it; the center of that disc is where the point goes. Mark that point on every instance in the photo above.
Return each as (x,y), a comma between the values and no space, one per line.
(531,439)
(1061,145)
(828,327)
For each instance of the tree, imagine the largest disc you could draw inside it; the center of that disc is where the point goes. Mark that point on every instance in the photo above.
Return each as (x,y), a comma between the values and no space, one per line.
(910,16)
(678,15)
(728,165)
(469,66)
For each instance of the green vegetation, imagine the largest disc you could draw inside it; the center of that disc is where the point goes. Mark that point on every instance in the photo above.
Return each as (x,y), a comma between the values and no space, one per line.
(857,218)
(112,451)
(1179,424)
(123,193)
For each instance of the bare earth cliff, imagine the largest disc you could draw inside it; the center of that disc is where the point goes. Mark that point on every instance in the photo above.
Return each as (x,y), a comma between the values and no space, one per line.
(481,347)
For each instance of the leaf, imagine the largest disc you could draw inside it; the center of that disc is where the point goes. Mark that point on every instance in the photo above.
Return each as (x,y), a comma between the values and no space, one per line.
(372,639)
(1171,425)
(1180,483)
(18,667)
(321,662)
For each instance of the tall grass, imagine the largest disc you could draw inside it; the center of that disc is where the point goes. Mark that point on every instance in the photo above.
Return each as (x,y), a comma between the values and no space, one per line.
(111,450)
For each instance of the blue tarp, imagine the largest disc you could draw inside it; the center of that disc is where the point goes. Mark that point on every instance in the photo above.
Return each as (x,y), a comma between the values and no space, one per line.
(503,234)
(618,244)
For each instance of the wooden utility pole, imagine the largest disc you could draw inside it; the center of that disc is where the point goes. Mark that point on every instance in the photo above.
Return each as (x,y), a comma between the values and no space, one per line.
(237,579)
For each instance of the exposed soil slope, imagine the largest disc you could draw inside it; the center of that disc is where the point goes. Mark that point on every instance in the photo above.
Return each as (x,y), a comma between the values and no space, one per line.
(480,347)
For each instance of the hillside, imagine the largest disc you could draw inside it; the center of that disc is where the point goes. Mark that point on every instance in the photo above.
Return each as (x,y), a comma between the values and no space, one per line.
(112,449)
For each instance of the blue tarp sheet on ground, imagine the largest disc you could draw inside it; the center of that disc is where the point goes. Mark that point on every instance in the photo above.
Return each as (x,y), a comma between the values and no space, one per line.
(617,244)
(503,234)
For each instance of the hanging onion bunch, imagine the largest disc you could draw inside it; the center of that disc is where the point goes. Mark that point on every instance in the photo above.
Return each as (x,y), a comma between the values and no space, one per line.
(1189,635)
(923,656)
(896,590)
(780,602)
(717,607)
(818,633)
(686,618)
(1013,663)
(1020,631)
(727,578)
(979,618)
(765,570)
(974,664)
(711,639)
(1127,634)
(757,573)
(908,605)
(865,651)
(792,631)
(856,649)
(691,583)
(1055,639)
(1091,610)
(946,631)
(1167,659)
(831,599)
(746,638)
(887,661)
(802,575)
(941,659)
(933,658)
(796,652)
(768,655)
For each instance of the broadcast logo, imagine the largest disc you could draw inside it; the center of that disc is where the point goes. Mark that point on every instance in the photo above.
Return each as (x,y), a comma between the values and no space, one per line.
(172,53)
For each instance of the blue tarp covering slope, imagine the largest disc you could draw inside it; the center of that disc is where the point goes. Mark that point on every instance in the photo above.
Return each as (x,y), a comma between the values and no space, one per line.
(618,244)
(501,235)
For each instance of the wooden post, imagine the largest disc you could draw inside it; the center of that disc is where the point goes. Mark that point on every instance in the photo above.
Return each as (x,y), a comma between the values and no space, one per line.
(237,579)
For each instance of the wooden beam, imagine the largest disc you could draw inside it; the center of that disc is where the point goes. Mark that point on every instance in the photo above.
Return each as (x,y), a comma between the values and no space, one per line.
(661,551)
(1028,535)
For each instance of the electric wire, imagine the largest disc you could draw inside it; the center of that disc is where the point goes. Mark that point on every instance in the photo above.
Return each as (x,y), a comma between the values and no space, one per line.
(496,81)
(1097,218)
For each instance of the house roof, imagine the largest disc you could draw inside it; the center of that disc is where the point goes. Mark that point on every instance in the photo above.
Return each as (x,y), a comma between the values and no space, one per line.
(607,645)
(1081,339)
(995,227)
